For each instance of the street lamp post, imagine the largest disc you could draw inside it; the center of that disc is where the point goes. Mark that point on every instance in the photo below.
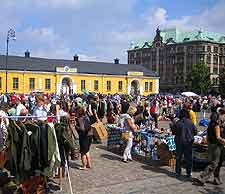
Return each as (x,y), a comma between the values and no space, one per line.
(11,34)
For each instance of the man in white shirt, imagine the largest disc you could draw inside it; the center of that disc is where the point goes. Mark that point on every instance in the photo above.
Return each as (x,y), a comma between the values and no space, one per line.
(19,107)
(39,111)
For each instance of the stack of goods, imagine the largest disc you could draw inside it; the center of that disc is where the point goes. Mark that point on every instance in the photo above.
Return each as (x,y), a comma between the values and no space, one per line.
(200,150)
(146,141)
(114,135)
(200,156)
(201,138)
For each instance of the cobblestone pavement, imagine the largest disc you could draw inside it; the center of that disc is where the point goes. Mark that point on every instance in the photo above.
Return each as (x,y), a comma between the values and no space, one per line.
(110,176)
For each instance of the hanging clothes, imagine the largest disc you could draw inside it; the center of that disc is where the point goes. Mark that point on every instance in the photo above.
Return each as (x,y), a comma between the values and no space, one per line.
(33,149)
(54,159)
(19,155)
(4,122)
(35,144)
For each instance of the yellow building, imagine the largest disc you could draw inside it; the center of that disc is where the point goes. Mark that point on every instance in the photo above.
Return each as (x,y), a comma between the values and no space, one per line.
(27,74)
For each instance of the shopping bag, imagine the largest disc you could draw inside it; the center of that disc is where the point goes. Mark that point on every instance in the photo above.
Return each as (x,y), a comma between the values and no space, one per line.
(99,131)
(125,136)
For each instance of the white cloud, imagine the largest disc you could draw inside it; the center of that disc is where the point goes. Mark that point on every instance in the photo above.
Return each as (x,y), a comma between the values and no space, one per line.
(210,19)
(43,34)
(95,29)
(157,17)
(47,43)
(69,4)
(72,4)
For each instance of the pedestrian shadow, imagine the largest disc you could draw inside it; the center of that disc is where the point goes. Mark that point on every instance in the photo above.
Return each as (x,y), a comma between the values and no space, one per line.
(157,168)
(115,150)
(215,190)
(148,164)
(111,157)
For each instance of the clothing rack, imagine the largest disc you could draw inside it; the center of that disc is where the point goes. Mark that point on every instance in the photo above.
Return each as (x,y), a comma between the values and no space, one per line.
(52,116)
(30,116)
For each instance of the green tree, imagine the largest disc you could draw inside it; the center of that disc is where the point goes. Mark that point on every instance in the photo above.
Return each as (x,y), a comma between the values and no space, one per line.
(222,83)
(199,79)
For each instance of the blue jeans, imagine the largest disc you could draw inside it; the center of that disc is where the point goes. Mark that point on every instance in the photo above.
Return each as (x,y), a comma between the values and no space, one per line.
(186,150)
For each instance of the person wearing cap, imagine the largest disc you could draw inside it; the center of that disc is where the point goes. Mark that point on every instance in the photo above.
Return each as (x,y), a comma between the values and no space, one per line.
(13,99)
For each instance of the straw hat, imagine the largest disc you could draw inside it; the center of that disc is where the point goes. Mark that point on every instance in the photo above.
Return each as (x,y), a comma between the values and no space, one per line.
(132,110)
(40,98)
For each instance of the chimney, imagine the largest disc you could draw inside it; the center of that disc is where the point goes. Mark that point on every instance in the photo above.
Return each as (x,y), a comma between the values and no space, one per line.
(76,57)
(27,54)
(116,61)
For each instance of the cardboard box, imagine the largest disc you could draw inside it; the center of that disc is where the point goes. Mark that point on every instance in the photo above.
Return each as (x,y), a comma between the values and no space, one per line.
(99,131)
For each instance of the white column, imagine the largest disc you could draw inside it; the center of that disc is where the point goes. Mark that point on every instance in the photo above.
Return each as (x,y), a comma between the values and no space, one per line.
(58,89)
(90,85)
(141,89)
(40,84)
(157,86)
(128,88)
(74,88)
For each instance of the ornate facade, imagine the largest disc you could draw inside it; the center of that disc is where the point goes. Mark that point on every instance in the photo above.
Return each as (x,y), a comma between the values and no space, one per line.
(172,54)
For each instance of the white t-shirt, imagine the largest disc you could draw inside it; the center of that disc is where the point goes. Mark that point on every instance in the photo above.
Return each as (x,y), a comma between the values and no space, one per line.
(19,108)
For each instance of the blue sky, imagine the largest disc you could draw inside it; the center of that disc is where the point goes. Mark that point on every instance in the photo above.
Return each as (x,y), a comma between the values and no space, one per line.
(99,29)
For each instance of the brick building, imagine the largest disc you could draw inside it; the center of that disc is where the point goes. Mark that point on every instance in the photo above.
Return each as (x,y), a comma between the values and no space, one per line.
(172,54)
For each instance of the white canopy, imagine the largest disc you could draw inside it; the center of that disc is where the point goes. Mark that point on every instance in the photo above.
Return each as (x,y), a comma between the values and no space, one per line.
(188,94)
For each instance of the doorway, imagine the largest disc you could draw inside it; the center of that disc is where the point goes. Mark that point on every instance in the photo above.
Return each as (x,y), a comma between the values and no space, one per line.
(135,88)
(67,86)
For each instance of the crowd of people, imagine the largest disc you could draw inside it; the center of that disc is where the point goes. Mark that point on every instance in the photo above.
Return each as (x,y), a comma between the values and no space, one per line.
(86,109)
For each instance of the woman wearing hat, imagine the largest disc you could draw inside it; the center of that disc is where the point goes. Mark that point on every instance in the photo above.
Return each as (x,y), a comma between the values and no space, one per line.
(129,127)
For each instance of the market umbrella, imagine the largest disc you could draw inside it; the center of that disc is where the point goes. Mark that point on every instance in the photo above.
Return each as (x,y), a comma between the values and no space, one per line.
(189,94)
(85,92)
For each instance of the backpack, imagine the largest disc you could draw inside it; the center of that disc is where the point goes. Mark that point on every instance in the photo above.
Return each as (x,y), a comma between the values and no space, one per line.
(187,135)
(85,125)
(102,109)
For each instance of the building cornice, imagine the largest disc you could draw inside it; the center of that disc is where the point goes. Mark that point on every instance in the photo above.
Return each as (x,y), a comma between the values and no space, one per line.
(79,74)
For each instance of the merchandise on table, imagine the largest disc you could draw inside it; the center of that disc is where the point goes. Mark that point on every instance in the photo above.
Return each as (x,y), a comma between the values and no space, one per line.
(114,135)
(200,156)
(200,152)
(145,141)
(201,138)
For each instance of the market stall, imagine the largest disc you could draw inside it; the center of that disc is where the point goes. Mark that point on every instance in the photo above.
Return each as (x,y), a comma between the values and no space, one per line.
(146,142)
(200,150)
